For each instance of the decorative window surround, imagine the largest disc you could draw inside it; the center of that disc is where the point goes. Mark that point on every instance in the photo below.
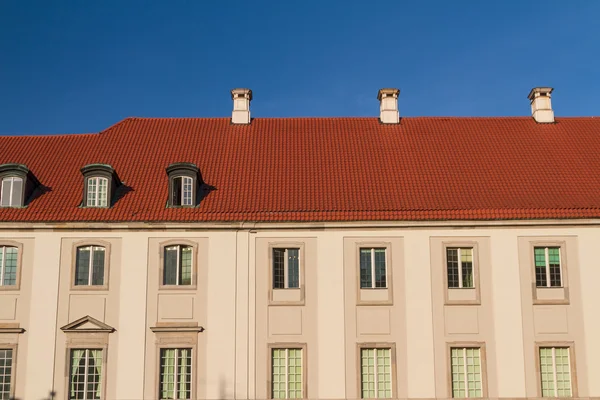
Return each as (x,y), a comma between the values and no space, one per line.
(462,295)
(379,295)
(7,249)
(547,295)
(194,264)
(106,273)
(287,296)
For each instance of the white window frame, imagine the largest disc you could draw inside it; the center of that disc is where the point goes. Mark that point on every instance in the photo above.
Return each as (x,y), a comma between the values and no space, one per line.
(190,181)
(373,276)
(175,369)
(13,369)
(177,272)
(376,371)
(460,270)
(554,367)
(93,249)
(95,200)
(12,185)
(287,372)
(464,371)
(87,355)
(3,266)
(286,267)
(547,260)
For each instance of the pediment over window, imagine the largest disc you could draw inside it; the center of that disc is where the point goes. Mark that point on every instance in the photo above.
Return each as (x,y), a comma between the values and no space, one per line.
(87,324)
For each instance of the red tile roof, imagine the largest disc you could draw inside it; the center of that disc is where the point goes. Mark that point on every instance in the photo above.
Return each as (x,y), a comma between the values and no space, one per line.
(325,169)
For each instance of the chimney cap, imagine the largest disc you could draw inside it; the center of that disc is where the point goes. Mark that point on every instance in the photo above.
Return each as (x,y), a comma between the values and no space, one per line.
(540,90)
(241,92)
(387,91)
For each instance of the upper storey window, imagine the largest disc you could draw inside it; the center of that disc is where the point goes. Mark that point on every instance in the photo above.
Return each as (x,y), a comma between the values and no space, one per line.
(18,184)
(184,179)
(100,184)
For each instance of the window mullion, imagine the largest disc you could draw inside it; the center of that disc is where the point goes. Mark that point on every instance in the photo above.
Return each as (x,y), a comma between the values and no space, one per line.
(286,269)
(548,283)
(2,265)
(460,277)
(554,368)
(375,373)
(373,278)
(12,185)
(465,379)
(287,375)
(90,266)
(178,264)
(85,374)
(175,375)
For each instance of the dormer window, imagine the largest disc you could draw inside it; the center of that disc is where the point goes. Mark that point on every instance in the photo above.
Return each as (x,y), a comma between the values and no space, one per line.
(100,184)
(184,179)
(17,186)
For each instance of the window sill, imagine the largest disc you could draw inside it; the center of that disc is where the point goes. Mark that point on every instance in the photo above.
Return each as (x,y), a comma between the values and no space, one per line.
(89,288)
(177,287)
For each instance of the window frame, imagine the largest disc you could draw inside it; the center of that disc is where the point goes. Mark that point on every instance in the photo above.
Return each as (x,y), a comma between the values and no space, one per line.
(290,345)
(393,362)
(99,171)
(385,295)
(374,267)
(572,365)
(286,268)
(97,198)
(273,293)
(534,243)
(13,376)
(30,182)
(176,374)
(86,340)
(483,364)
(161,268)
(19,247)
(181,170)
(10,197)
(87,349)
(107,254)
(476,289)
(461,279)
(547,272)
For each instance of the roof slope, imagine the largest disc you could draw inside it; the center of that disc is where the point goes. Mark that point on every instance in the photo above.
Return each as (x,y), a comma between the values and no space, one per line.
(325,169)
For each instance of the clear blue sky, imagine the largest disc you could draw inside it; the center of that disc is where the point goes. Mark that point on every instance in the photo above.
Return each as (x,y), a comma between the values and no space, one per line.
(81,66)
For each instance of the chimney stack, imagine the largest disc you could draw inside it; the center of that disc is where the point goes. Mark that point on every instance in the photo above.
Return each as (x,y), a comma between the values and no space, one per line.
(241,106)
(388,106)
(541,106)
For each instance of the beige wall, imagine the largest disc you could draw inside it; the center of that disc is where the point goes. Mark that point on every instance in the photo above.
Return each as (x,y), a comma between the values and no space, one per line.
(233,303)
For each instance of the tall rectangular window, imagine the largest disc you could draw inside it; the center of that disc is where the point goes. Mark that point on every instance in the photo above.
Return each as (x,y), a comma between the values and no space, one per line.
(459,262)
(547,267)
(178,265)
(11,192)
(376,373)
(555,369)
(85,374)
(286,268)
(175,374)
(373,269)
(89,266)
(97,192)
(466,372)
(286,382)
(8,265)
(183,191)
(6,373)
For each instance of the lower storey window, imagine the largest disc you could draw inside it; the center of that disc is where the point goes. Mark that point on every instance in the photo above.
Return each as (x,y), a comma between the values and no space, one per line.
(175,374)
(555,369)
(376,373)
(286,374)
(6,373)
(466,372)
(85,374)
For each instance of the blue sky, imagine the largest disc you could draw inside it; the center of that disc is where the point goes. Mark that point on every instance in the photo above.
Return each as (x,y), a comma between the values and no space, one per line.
(81,66)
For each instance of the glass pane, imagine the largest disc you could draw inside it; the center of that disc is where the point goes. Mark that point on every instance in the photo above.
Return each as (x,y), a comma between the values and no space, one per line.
(365,269)
(6,186)
(98,266)
(167,374)
(185,275)
(293,268)
(540,266)
(91,192)
(187,191)
(380,268)
(278,373)
(278,268)
(452,267)
(176,195)
(82,266)
(294,373)
(5,373)
(547,372)
(170,268)
(9,264)
(466,260)
(102,192)
(563,372)
(17,192)
(554,263)
(184,373)
(367,374)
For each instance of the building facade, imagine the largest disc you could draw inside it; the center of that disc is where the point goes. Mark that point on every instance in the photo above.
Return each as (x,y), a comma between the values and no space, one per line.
(303,258)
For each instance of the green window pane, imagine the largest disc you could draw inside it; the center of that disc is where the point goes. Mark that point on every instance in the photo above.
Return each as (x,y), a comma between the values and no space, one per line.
(366,276)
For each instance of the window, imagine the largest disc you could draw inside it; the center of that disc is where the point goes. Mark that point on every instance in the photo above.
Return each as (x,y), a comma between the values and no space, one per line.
(85,374)
(175,374)
(459,263)
(12,192)
(286,268)
(178,265)
(6,374)
(376,373)
(182,191)
(466,372)
(372,268)
(97,192)
(8,265)
(555,369)
(89,267)
(287,371)
(547,267)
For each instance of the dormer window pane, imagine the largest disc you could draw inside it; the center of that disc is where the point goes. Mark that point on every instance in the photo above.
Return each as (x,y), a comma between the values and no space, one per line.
(97,193)
(182,191)
(12,192)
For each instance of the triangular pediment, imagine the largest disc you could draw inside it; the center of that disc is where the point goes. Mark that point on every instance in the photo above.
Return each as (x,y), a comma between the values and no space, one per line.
(87,324)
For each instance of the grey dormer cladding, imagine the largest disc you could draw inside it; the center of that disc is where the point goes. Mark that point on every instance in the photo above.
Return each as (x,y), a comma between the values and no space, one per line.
(102,171)
(183,169)
(30,182)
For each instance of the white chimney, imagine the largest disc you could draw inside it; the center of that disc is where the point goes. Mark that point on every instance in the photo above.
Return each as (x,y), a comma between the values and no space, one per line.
(388,105)
(241,106)
(541,106)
